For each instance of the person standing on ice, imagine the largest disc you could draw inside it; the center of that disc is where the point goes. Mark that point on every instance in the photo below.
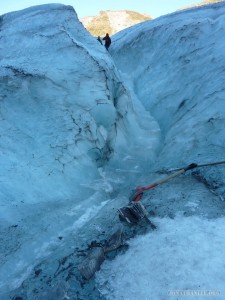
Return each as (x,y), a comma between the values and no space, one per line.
(99,39)
(107,40)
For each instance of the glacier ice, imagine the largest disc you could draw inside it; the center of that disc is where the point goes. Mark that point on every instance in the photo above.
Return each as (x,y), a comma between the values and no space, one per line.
(81,127)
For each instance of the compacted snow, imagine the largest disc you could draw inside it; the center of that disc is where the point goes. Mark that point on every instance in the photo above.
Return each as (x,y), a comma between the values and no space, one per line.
(81,127)
(184,255)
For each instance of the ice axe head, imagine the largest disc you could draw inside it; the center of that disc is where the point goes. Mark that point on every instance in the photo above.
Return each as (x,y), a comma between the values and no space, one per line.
(136,195)
(132,213)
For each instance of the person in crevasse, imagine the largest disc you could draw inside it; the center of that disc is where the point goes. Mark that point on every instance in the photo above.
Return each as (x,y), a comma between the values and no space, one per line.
(99,39)
(107,40)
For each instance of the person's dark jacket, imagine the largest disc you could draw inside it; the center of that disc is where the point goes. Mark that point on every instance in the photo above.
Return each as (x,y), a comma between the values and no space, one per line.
(107,40)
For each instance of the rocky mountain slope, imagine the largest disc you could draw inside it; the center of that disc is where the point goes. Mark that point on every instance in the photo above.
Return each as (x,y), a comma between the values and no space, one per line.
(201,3)
(113,21)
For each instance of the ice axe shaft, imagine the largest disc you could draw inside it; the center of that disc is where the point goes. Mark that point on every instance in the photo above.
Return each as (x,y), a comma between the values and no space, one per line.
(138,193)
(203,165)
(164,180)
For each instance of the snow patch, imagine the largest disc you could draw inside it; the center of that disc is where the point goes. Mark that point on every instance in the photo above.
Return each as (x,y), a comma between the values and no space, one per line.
(182,254)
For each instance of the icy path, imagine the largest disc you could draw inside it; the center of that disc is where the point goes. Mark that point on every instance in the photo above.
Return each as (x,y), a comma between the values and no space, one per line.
(183,256)
(188,216)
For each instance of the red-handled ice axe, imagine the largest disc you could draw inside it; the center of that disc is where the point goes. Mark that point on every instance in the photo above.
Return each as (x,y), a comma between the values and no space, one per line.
(138,192)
